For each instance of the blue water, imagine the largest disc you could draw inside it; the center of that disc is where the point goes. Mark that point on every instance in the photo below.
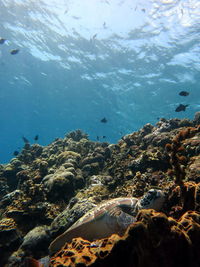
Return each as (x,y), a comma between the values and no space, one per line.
(81,61)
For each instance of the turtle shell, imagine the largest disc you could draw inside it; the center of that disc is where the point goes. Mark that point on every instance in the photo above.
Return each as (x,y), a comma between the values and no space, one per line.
(113,216)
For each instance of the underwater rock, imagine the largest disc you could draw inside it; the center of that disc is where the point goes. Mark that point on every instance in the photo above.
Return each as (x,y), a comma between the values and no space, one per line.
(8,232)
(59,185)
(36,240)
(10,238)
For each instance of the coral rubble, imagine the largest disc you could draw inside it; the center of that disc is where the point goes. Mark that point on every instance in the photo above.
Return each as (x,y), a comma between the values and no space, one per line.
(44,190)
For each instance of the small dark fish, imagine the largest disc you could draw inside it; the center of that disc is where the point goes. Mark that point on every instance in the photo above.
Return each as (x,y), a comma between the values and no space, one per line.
(184,93)
(25,140)
(15,153)
(104,25)
(143,10)
(94,36)
(181,107)
(97,138)
(14,51)
(75,17)
(36,137)
(103,136)
(2,40)
(104,120)
(66,11)
(182,12)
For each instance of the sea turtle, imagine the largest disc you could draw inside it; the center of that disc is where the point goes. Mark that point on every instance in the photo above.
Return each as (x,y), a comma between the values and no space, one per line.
(107,218)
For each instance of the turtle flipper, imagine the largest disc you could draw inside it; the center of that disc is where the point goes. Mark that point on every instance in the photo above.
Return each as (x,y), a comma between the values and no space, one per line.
(119,220)
(85,231)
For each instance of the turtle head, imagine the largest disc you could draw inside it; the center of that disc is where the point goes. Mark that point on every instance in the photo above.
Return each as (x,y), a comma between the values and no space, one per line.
(153,199)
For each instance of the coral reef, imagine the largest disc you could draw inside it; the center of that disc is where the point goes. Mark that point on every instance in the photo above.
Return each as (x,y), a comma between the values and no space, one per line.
(45,189)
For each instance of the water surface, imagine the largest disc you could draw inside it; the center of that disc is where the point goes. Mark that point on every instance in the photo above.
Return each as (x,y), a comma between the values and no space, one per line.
(81,61)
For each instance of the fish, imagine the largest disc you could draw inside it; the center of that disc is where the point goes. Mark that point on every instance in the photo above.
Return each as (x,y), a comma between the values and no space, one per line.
(14,51)
(143,10)
(36,137)
(184,93)
(75,17)
(181,107)
(25,140)
(31,262)
(98,137)
(2,40)
(15,153)
(66,11)
(182,12)
(94,36)
(104,120)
